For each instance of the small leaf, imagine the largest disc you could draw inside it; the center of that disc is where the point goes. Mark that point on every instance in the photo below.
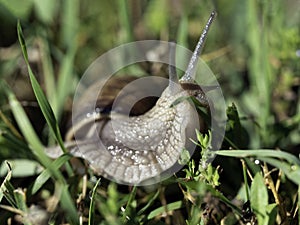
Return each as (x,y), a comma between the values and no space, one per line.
(20,198)
(259,198)
(184,157)
(163,209)
(22,168)
(235,132)
(272,213)
(6,180)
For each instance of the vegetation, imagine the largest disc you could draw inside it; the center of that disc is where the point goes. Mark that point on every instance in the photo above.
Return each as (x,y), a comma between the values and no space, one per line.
(252,49)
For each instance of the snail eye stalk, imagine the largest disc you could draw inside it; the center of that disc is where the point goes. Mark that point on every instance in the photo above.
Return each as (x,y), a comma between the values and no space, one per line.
(190,72)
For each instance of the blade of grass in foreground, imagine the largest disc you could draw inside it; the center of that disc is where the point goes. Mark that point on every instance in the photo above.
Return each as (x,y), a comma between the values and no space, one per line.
(7,190)
(46,174)
(92,204)
(163,209)
(150,202)
(30,136)
(287,162)
(6,179)
(129,202)
(38,150)
(38,92)
(42,100)
(65,198)
(261,153)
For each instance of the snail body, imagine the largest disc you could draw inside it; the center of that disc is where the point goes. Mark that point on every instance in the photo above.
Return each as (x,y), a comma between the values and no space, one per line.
(133,149)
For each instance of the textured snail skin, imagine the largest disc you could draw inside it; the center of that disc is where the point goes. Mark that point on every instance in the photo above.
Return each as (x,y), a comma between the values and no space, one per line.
(133,149)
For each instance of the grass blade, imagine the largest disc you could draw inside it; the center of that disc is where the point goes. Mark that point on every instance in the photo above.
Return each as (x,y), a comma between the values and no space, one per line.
(45,175)
(150,202)
(163,209)
(48,71)
(259,198)
(30,135)
(291,165)
(260,153)
(92,204)
(6,179)
(68,205)
(128,208)
(39,94)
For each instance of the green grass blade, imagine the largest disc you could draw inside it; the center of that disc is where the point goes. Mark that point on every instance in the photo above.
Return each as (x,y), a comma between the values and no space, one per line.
(245,179)
(150,202)
(22,168)
(125,22)
(6,179)
(298,204)
(68,205)
(70,19)
(291,165)
(41,98)
(260,153)
(128,205)
(163,209)
(15,144)
(48,71)
(66,200)
(92,204)
(23,121)
(63,84)
(45,175)
(259,198)
(25,125)
(30,135)
(20,198)
(68,38)
(7,189)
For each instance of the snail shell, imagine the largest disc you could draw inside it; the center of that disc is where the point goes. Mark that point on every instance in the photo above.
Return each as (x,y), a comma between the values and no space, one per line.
(140,147)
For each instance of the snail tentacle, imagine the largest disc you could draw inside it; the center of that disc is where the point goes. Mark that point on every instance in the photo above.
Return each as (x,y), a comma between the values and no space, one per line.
(190,71)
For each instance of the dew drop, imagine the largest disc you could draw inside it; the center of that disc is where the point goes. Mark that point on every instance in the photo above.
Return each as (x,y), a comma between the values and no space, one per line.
(256,161)
(294,167)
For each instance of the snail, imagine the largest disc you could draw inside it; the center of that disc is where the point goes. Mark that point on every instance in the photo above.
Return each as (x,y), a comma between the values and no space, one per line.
(140,147)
